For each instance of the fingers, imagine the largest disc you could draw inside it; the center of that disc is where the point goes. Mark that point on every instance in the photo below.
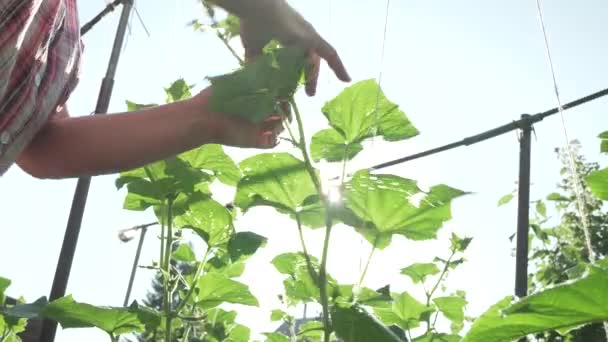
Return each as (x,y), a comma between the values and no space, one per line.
(312,74)
(269,131)
(329,54)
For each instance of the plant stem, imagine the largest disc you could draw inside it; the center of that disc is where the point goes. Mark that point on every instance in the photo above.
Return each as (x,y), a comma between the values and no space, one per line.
(328,223)
(168,297)
(311,270)
(369,260)
(430,294)
(197,275)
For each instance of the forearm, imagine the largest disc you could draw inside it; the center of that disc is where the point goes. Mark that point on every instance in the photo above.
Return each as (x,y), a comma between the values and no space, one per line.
(102,144)
(255,8)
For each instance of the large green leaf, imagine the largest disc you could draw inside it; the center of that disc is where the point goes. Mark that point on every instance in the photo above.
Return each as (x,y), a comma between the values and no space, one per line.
(252,92)
(384,201)
(330,144)
(276,179)
(561,307)
(363,107)
(419,271)
(405,311)
(353,324)
(598,183)
(209,219)
(215,289)
(116,321)
(212,157)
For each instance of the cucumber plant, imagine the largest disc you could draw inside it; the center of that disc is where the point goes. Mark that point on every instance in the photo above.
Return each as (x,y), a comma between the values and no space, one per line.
(377,206)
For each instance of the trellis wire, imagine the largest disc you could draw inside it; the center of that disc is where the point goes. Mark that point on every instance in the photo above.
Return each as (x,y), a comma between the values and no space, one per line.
(572,165)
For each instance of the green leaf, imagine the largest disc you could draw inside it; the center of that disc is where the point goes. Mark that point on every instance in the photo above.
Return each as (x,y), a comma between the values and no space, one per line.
(278,315)
(244,244)
(29,311)
(276,337)
(209,219)
(353,324)
(71,314)
(212,157)
(419,271)
(459,244)
(384,202)
(312,330)
(178,90)
(363,107)
(299,286)
(541,208)
(564,306)
(230,257)
(598,183)
(604,146)
(406,309)
(505,199)
(4,284)
(132,106)
(452,308)
(252,92)
(239,333)
(153,184)
(557,197)
(347,294)
(275,179)
(434,337)
(330,145)
(215,289)
(184,253)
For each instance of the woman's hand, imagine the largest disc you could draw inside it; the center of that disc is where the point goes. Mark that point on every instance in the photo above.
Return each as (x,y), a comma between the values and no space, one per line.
(234,131)
(277,20)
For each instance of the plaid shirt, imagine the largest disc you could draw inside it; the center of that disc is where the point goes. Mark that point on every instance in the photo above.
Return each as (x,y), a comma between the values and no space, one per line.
(40,52)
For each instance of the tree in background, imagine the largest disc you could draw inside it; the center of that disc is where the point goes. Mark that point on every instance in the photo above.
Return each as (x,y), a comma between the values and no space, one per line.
(559,252)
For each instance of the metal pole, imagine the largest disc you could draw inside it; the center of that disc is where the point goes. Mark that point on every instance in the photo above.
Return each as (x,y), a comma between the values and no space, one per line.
(523,209)
(135,262)
(66,257)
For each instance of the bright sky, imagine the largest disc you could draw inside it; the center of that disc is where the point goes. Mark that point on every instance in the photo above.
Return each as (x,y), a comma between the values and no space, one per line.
(456,68)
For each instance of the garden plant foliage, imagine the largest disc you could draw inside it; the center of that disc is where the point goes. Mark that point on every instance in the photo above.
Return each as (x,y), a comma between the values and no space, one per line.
(193,301)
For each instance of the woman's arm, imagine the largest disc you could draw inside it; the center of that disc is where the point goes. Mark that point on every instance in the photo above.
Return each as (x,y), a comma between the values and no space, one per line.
(101,144)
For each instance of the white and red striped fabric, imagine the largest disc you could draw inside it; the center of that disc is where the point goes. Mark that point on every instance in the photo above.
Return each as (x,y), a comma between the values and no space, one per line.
(40,51)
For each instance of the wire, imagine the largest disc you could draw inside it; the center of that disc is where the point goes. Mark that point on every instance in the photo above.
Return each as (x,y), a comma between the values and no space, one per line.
(572,165)
(375,127)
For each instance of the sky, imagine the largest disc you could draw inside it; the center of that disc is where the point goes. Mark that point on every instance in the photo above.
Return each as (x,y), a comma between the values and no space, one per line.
(455,68)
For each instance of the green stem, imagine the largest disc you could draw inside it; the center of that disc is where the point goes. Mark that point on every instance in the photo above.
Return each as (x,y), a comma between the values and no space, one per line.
(369,260)
(430,294)
(113,338)
(311,269)
(168,297)
(197,275)
(328,223)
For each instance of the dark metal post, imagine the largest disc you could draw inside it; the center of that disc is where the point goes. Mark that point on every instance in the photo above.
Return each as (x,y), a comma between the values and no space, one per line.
(523,209)
(142,236)
(66,257)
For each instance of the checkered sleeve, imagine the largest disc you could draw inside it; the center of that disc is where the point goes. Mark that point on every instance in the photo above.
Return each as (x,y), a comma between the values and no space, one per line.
(40,51)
